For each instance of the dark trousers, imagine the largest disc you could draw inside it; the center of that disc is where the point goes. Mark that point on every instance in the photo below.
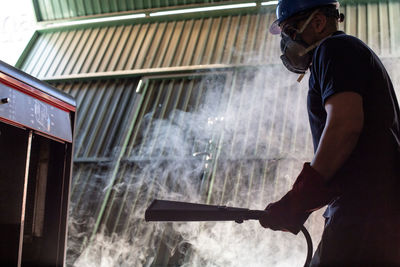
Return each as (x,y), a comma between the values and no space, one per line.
(359,241)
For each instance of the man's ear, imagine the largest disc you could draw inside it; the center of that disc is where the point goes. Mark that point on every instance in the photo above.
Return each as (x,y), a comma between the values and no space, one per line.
(319,22)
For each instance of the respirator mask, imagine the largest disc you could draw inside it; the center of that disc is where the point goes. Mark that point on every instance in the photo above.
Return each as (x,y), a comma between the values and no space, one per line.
(296,56)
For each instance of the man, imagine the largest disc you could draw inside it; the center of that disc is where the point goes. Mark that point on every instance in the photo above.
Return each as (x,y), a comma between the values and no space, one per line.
(354,119)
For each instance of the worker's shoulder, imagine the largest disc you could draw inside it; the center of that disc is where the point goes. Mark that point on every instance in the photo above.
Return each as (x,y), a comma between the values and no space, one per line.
(341,43)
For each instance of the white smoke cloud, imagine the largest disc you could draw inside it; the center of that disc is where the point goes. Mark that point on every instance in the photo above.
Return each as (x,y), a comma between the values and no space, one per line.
(252,141)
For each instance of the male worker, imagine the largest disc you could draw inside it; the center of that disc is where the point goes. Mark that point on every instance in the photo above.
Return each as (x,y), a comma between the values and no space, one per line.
(354,118)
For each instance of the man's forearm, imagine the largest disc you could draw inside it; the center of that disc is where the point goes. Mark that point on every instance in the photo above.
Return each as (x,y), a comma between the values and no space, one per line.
(335,147)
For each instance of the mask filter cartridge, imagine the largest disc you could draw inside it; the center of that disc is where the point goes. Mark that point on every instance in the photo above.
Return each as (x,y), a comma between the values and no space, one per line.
(293,55)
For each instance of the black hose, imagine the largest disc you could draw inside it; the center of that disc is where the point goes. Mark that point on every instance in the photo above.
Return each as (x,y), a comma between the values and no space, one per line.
(309,246)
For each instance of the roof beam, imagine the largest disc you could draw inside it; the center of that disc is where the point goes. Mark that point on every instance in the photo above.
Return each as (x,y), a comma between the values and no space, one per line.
(147,72)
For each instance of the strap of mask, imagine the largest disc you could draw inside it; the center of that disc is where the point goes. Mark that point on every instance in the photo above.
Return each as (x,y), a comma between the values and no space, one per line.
(308,21)
(311,47)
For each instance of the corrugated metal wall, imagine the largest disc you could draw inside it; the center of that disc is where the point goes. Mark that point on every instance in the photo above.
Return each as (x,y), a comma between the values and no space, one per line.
(242,39)
(105,110)
(376,24)
(221,40)
(246,136)
(129,130)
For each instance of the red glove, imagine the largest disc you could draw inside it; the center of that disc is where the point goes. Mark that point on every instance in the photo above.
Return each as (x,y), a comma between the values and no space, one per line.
(309,193)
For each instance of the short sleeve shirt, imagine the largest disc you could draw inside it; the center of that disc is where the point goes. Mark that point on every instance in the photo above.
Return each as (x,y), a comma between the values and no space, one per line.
(343,63)
(339,65)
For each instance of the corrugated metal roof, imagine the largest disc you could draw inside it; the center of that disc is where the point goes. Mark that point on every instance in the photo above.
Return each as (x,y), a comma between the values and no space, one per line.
(221,40)
(230,40)
(65,9)
(49,10)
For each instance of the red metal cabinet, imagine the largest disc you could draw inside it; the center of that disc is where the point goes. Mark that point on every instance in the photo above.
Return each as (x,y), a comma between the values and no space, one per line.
(36,143)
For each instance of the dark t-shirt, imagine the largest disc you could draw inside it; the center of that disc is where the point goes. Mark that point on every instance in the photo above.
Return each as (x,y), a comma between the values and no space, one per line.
(369,179)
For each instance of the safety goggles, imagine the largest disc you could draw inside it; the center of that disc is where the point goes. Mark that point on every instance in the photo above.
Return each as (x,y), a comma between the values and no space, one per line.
(290,28)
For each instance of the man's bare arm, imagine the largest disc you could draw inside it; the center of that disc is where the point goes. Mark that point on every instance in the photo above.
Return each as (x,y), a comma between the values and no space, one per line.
(345,120)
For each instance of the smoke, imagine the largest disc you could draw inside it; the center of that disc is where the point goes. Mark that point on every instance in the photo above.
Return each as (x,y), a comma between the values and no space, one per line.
(239,140)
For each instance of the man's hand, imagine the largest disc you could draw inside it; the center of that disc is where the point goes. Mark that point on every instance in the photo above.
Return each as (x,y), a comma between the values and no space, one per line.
(280,217)
(308,194)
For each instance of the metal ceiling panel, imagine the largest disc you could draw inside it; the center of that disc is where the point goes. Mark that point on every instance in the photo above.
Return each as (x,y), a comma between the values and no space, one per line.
(229,40)
(222,40)
(66,9)
(52,10)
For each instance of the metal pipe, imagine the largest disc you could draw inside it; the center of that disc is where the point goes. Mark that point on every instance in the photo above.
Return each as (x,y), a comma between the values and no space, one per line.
(172,211)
